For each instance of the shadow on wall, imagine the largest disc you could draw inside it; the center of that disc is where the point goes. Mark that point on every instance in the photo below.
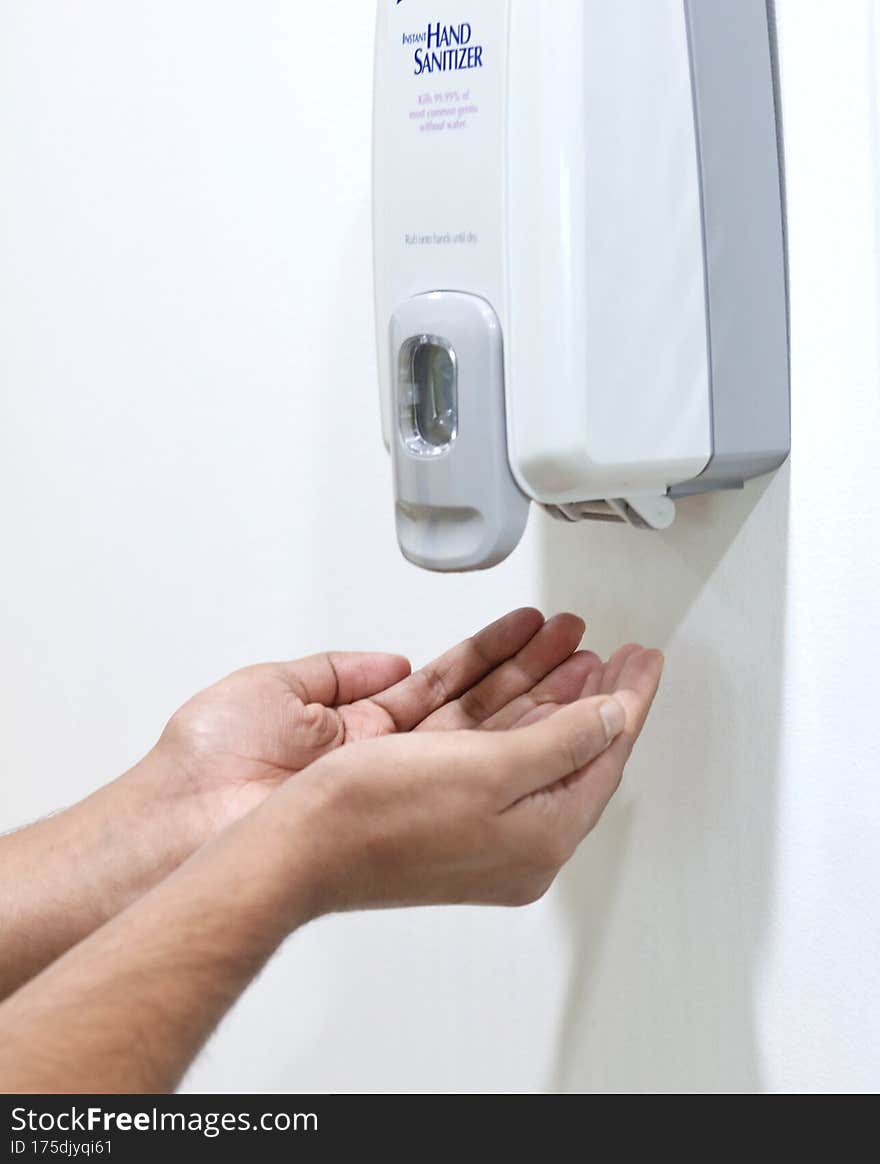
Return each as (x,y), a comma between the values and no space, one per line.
(666,903)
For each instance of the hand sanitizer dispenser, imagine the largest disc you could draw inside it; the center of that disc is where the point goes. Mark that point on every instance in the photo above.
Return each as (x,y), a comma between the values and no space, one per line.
(580,262)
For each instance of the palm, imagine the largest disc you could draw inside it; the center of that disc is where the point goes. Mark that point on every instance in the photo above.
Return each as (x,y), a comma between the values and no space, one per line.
(243,737)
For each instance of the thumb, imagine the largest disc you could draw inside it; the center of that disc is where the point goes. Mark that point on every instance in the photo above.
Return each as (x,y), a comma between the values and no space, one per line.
(561,744)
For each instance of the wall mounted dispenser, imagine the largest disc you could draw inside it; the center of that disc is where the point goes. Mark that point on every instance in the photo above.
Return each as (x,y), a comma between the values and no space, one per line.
(580,262)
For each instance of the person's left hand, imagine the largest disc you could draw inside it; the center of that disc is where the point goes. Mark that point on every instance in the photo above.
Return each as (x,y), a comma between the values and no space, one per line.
(230,746)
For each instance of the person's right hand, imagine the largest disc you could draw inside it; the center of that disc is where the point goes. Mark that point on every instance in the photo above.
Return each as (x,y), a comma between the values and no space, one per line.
(465,816)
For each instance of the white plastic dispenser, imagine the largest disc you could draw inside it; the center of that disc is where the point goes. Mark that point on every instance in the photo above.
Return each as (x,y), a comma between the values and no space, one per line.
(580,262)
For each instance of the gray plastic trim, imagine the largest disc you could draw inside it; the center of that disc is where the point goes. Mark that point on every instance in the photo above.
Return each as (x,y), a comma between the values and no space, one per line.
(739,146)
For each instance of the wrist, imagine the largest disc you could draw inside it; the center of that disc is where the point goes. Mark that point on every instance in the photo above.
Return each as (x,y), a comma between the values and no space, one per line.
(288,853)
(165,820)
(318,839)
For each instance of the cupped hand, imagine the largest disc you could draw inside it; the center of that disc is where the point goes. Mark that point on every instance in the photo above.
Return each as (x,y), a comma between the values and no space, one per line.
(229,747)
(463,816)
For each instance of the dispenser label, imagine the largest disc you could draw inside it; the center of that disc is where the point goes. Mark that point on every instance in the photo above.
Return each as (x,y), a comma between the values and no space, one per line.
(442,71)
(444,48)
(445,53)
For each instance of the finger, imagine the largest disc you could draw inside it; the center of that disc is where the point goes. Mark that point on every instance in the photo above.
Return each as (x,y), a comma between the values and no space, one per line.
(411,701)
(614,667)
(603,680)
(336,678)
(593,684)
(563,685)
(548,752)
(640,675)
(554,642)
(590,790)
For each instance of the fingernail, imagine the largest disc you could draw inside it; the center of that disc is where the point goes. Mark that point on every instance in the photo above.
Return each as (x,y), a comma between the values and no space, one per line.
(613,718)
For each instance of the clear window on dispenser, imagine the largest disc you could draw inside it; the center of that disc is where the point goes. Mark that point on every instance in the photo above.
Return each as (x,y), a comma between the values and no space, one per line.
(428,395)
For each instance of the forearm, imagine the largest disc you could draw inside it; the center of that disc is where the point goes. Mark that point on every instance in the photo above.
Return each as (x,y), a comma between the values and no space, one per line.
(67,875)
(127,1009)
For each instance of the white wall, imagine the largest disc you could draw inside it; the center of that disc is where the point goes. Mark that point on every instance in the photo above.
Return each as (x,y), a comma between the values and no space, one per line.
(191,478)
